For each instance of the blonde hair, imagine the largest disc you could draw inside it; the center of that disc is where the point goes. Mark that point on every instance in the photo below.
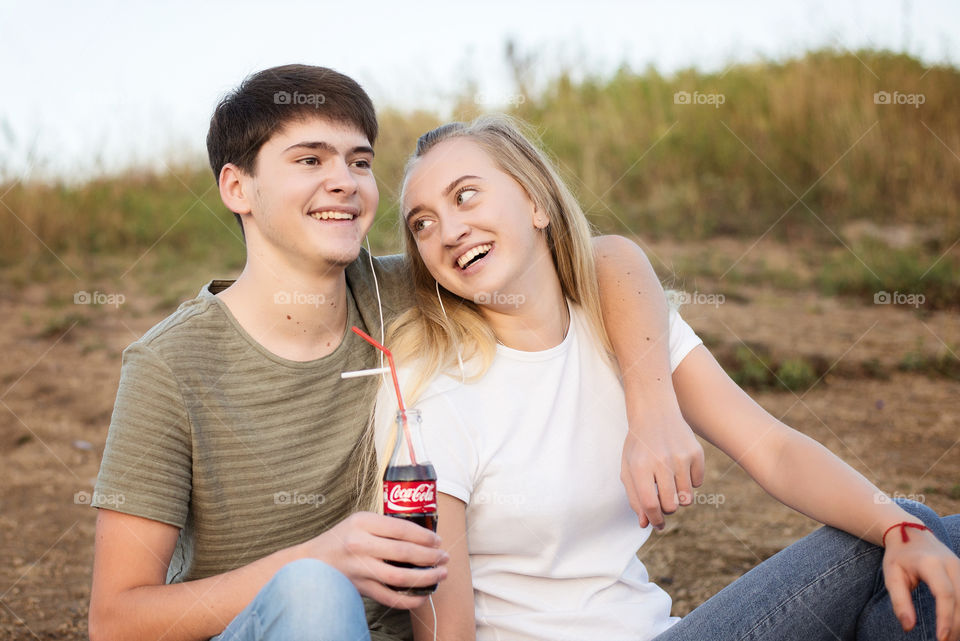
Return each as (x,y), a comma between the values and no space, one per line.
(443,331)
(432,341)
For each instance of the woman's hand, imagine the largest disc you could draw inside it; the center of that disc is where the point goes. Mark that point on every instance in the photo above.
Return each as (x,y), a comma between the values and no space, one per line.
(660,466)
(923,558)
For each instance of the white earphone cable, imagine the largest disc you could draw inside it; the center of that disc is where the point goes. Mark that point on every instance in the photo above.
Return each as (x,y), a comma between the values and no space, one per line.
(463,376)
(376,288)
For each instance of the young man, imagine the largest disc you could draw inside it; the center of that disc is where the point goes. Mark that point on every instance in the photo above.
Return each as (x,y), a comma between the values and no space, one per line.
(234,442)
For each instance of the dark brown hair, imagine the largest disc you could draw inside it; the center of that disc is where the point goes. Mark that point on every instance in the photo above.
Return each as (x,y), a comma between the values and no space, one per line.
(265,102)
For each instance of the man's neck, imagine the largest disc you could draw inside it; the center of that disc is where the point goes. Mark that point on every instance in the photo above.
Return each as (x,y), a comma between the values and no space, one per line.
(295,315)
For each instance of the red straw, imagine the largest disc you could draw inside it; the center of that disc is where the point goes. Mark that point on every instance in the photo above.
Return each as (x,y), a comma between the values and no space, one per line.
(396,386)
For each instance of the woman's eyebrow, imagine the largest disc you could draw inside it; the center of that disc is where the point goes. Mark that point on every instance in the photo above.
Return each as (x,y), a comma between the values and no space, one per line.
(446,192)
(453,185)
(415,210)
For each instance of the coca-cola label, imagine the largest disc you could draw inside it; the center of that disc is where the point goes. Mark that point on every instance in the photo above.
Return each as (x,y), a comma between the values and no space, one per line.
(409,497)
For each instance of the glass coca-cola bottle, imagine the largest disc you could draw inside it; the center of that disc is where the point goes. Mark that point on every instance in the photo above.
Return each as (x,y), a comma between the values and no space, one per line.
(410,485)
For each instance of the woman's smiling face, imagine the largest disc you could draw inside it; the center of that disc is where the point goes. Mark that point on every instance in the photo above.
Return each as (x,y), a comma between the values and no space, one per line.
(473,224)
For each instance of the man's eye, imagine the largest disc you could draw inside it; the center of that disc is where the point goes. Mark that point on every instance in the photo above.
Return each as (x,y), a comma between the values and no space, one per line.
(311,161)
(362,163)
(465,194)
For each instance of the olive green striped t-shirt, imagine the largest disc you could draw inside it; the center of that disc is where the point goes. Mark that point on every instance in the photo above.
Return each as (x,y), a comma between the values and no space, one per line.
(244,451)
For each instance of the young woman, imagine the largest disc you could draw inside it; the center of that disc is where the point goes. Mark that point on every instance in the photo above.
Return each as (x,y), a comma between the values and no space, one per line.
(524,420)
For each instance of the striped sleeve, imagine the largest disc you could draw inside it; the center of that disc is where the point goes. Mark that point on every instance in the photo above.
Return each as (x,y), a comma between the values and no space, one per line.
(146,466)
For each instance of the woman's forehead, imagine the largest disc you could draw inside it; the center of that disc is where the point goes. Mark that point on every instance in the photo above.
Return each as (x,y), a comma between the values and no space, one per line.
(447,161)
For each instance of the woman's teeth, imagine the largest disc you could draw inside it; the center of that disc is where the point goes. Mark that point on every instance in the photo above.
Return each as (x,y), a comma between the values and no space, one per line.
(464,260)
(331,215)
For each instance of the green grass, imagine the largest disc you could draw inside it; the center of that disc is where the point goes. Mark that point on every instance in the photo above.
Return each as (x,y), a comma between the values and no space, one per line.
(641,164)
(796,374)
(907,277)
(944,364)
(806,127)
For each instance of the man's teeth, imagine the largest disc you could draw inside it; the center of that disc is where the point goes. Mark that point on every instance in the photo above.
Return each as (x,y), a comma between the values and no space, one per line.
(331,215)
(473,253)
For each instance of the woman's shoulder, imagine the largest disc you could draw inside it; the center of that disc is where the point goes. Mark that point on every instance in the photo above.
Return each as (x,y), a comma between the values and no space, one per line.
(442,384)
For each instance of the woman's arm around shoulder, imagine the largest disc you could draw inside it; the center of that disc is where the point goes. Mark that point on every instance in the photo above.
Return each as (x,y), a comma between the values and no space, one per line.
(662,461)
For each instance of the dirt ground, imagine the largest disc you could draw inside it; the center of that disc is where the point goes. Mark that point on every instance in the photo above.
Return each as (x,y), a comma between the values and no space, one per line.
(61,363)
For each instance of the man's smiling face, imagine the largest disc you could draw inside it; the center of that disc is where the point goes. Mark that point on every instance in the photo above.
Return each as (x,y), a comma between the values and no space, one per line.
(313,194)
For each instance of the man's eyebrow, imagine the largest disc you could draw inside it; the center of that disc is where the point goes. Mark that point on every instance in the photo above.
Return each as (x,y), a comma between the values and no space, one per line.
(446,192)
(313,144)
(361,149)
(321,145)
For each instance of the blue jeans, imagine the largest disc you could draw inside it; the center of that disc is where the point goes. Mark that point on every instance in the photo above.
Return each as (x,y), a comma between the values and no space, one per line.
(306,599)
(828,585)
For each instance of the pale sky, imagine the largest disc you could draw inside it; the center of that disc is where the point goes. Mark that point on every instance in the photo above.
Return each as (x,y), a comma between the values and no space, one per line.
(94,86)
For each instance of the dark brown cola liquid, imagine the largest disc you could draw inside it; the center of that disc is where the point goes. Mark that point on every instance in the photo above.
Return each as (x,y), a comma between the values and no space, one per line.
(427,520)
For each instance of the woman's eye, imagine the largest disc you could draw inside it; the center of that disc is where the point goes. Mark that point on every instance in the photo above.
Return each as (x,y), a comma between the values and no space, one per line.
(420,224)
(465,194)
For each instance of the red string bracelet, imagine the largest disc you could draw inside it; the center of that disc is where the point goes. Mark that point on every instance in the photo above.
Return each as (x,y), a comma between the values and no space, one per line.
(903,530)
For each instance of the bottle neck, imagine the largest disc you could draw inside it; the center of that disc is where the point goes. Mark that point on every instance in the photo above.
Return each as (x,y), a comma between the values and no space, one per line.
(408,449)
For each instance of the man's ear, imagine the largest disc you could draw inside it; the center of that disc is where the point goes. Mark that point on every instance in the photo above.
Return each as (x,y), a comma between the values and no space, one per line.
(232,189)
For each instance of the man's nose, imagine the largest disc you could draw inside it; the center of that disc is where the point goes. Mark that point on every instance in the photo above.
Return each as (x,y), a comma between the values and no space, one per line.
(339,178)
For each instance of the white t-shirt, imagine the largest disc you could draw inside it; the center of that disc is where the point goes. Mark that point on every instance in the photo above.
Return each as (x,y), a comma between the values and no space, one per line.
(533,449)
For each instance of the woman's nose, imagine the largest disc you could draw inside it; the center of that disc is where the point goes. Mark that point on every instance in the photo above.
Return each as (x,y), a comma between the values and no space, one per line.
(453,230)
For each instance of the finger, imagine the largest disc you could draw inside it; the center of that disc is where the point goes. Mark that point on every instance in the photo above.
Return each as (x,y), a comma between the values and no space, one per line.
(667,491)
(650,504)
(390,598)
(684,488)
(697,467)
(403,552)
(942,589)
(627,480)
(391,575)
(953,571)
(898,588)
(393,528)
